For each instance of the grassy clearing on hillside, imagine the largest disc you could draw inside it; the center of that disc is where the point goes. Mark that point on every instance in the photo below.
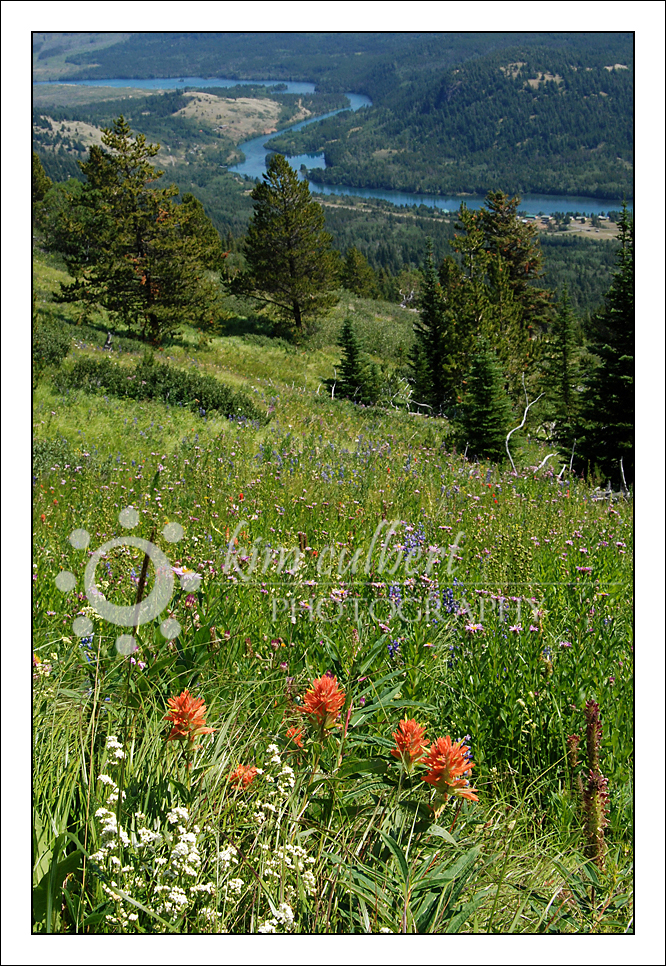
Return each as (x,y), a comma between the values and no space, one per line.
(51,50)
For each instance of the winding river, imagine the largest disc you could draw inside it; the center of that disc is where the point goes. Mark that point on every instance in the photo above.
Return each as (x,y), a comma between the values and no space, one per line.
(256,150)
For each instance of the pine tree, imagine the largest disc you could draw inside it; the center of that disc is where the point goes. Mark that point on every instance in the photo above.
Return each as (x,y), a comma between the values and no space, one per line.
(130,248)
(41,184)
(290,262)
(486,411)
(607,424)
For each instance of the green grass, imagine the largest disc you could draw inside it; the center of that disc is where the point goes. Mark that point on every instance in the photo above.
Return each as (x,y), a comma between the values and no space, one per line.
(322,475)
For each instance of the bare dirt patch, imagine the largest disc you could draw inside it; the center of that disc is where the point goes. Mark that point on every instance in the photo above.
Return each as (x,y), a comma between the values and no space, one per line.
(88,134)
(513,69)
(237,119)
(542,78)
(604,232)
(72,95)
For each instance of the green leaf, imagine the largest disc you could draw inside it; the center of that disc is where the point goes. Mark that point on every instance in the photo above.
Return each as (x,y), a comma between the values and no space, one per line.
(399,854)
(376,766)
(461,917)
(442,833)
(49,888)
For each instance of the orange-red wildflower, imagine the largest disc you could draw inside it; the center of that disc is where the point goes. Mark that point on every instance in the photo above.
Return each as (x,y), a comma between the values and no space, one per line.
(410,744)
(448,763)
(296,735)
(187,716)
(243,775)
(323,702)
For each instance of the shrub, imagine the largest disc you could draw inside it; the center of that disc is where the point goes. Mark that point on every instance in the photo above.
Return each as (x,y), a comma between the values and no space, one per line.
(50,346)
(154,380)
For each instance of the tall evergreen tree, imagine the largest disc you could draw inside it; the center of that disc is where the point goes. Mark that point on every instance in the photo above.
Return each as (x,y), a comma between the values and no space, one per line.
(290,261)
(430,373)
(485,416)
(607,425)
(517,261)
(561,372)
(358,379)
(40,182)
(358,276)
(489,291)
(505,234)
(130,248)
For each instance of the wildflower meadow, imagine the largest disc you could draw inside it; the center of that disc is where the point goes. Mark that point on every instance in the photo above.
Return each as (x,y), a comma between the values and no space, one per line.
(316,672)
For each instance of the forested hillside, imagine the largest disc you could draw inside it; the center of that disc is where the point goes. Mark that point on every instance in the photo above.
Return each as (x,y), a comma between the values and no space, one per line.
(537,121)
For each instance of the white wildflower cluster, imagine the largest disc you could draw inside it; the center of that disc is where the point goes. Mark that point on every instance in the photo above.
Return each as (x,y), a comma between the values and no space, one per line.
(234,887)
(147,837)
(292,857)
(164,864)
(114,746)
(260,814)
(227,857)
(174,900)
(177,814)
(284,917)
(285,780)
(309,883)
(113,796)
(280,779)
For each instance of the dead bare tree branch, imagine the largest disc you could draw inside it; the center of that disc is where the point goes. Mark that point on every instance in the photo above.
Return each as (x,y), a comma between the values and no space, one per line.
(544,461)
(527,409)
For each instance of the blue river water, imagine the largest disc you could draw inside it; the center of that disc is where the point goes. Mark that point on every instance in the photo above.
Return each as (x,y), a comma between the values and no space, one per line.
(173,83)
(256,150)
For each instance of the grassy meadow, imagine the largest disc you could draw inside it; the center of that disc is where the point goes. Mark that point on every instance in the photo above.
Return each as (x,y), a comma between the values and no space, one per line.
(326,539)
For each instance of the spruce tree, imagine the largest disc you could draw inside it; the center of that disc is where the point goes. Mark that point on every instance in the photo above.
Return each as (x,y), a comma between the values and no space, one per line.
(490,289)
(290,261)
(40,181)
(561,372)
(358,276)
(428,359)
(607,424)
(485,415)
(358,379)
(517,243)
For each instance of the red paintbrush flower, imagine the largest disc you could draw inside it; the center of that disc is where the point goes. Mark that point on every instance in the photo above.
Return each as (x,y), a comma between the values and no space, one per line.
(243,775)
(296,735)
(410,744)
(447,763)
(323,702)
(187,716)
